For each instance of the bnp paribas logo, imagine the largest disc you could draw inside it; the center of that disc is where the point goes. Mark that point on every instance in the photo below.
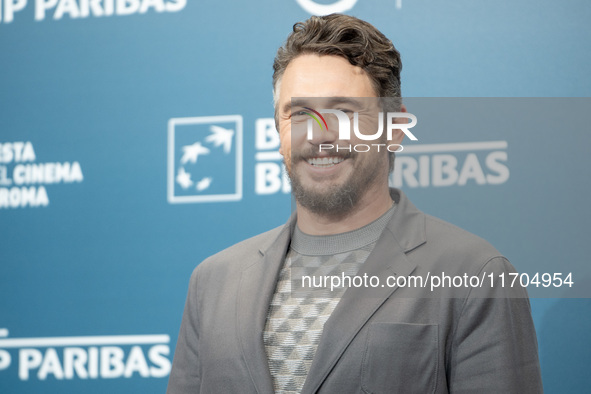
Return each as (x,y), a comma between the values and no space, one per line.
(205,159)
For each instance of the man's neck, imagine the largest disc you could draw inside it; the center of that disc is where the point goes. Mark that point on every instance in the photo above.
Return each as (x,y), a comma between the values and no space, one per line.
(371,206)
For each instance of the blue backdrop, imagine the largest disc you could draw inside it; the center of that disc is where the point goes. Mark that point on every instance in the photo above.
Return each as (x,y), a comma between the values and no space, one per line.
(136,140)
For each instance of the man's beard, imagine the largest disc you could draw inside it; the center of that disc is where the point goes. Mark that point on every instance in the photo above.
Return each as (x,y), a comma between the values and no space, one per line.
(332,200)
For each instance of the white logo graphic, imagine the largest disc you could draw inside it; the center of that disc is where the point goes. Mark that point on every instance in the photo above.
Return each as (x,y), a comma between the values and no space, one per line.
(88,357)
(452,164)
(324,9)
(71,9)
(344,127)
(221,136)
(205,159)
(23,180)
(191,152)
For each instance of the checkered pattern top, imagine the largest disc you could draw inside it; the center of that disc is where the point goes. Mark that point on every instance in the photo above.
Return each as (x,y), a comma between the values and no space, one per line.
(295,320)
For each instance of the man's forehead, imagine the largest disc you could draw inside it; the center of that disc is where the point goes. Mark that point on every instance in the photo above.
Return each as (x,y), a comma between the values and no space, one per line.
(312,75)
(316,62)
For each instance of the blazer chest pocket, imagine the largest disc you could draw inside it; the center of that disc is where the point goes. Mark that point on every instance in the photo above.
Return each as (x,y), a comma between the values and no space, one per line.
(400,358)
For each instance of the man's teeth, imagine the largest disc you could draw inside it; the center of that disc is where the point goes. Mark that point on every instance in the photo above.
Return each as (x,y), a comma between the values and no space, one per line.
(325,161)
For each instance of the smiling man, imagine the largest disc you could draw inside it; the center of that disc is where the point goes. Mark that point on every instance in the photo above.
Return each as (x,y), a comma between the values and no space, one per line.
(331,181)
(252,325)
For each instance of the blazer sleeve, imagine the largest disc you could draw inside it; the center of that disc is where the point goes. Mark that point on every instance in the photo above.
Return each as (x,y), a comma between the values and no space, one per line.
(494,347)
(184,376)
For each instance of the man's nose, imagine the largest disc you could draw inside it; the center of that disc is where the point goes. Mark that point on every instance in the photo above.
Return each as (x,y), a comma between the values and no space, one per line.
(325,133)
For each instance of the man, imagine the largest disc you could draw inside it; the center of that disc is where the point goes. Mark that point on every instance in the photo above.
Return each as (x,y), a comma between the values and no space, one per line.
(246,329)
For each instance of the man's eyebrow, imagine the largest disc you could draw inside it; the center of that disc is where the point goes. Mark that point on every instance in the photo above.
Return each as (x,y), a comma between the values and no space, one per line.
(295,103)
(332,101)
(286,108)
(343,100)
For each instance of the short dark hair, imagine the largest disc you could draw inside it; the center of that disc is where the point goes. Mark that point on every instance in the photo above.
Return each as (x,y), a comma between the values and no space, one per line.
(351,38)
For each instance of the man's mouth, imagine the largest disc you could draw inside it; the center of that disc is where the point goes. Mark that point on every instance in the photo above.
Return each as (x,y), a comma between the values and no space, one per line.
(325,161)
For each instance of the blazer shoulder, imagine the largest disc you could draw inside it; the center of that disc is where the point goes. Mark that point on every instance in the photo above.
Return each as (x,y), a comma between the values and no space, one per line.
(458,247)
(238,255)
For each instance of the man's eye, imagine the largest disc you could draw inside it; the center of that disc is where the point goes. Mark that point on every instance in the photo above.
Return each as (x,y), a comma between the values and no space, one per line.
(299,113)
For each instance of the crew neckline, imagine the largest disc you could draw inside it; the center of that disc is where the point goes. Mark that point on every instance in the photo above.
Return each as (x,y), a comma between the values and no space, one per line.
(321,245)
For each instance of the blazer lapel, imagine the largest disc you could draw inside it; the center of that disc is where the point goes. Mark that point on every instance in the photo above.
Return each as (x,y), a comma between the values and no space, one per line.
(257,285)
(405,231)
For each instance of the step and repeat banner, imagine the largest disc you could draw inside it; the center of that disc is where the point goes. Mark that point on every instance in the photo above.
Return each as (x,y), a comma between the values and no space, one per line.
(137,139)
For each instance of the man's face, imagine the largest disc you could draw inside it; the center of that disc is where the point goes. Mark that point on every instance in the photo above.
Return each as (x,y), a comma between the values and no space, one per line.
(328,182)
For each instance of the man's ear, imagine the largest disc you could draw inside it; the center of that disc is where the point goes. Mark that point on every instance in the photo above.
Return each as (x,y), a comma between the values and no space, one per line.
(397,134)
(281,150)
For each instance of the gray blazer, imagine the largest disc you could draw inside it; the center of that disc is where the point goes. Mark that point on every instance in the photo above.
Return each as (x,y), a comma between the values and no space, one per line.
(378,340)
